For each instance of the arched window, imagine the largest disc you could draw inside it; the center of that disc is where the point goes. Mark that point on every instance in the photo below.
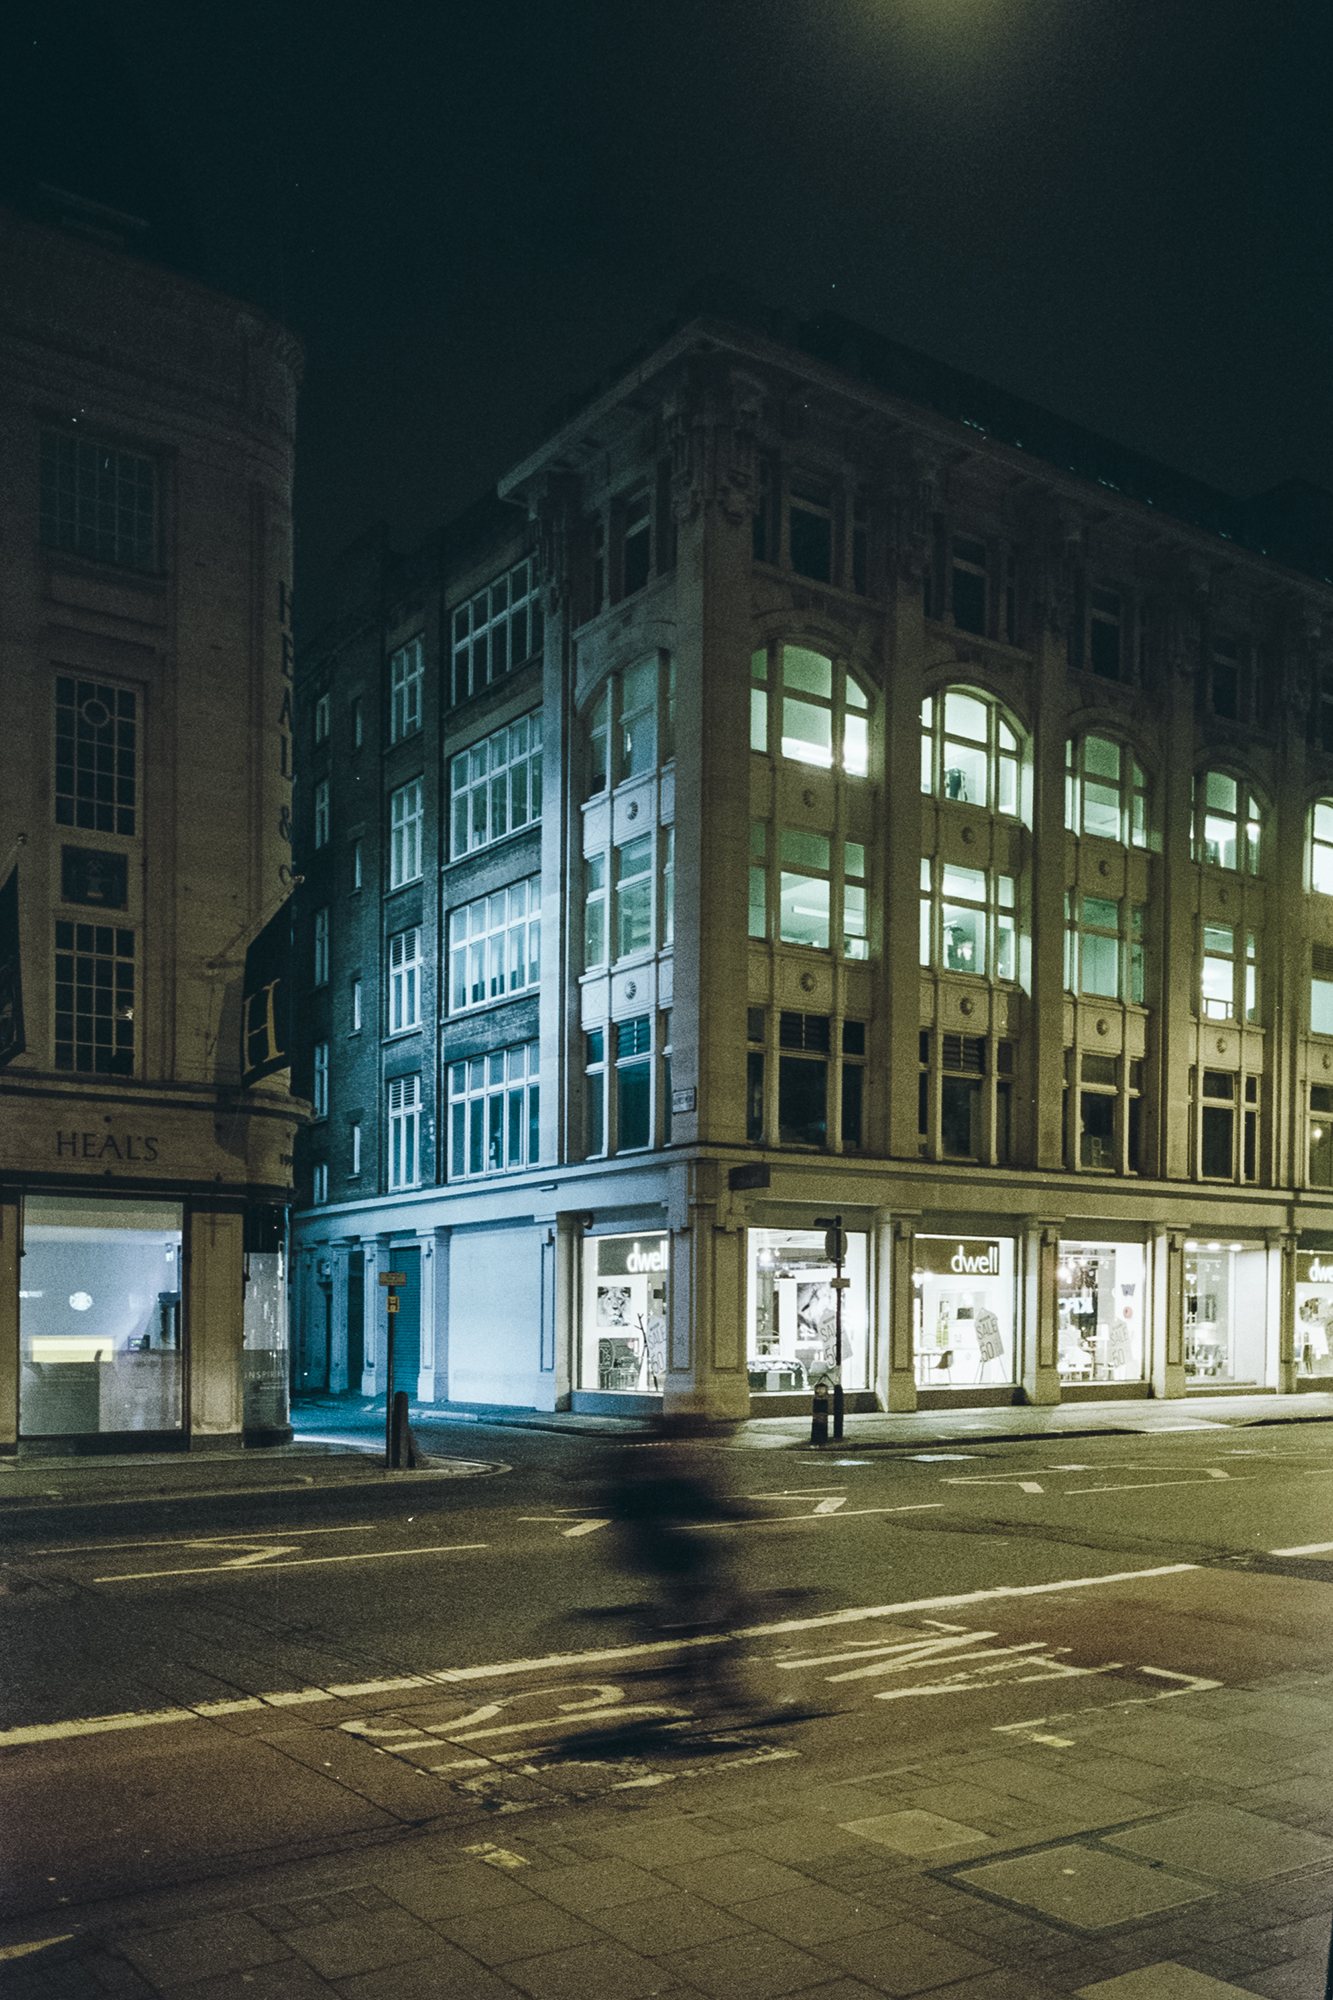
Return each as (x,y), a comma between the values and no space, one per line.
(969,751)
(1321,847)
(631,724)
(1227,822)
(804,708)
(1105,791)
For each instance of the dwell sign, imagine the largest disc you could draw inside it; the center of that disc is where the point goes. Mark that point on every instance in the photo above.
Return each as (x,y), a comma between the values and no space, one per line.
(959,1256)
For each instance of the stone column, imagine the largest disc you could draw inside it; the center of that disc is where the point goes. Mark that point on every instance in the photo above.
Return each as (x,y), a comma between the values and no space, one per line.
(11,1210)
(895,1235)
(215,1318)
(426,1333)
(563,1301)
(1039,1375)
(706,1371)
(339,1254)
(1042,1051)
(1168,1312)
(897,974)
(1282,1249)
(374,1317)
(1173,915)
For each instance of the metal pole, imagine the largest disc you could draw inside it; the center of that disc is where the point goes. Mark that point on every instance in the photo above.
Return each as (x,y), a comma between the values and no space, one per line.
(392,1303)
(837,1324)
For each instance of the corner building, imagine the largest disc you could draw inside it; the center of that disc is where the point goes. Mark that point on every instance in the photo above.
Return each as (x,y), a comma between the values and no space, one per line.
(841,790)
(146,654)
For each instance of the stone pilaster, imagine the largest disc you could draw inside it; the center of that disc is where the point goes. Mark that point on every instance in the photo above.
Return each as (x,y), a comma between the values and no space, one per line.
(1039,1371)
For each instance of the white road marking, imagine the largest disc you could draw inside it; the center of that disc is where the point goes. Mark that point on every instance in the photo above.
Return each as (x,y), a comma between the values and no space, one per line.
(1309,1549)
(818,1513)
(830,1506)
(585,1528)
(44,1732)
(244,1564)
(1145,1485)
(251,1539)
(37,1944)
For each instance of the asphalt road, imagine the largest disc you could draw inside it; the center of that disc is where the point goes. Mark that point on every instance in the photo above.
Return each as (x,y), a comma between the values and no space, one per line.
(216,1682)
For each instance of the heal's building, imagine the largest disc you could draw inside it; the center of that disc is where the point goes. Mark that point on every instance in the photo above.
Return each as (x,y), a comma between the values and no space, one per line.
(146,435)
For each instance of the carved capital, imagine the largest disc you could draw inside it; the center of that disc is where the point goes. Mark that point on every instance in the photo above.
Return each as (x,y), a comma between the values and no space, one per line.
(556,511)
(712,428)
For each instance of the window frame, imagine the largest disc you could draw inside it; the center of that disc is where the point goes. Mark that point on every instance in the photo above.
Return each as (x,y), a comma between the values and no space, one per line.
(481,1108)
(1005,751)
(1249,817)
(403,1162)
(406,833)
(407,680)
(474,774)
(477,619)
(468,936)
(1130,785)
(778,698)
(64,470)
(403,985)
(319,1095)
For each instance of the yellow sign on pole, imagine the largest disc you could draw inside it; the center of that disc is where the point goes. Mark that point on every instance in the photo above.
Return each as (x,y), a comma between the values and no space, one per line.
(392,1302)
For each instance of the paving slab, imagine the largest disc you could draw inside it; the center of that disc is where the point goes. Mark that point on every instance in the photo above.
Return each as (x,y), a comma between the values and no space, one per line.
(1230,1845)
(1167,1981)
(1084,1886)
(916,1832)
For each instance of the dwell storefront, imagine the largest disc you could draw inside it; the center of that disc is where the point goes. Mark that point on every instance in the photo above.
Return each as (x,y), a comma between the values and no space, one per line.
(923,1313)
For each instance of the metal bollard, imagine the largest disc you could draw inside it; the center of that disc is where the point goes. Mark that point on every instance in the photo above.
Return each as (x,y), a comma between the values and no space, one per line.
(399,1438)
(837,1408)
(819,1417)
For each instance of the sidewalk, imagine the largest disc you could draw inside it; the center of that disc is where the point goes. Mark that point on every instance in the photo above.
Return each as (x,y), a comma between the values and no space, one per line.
(1161,1849)
(877,1430)
(339,1444)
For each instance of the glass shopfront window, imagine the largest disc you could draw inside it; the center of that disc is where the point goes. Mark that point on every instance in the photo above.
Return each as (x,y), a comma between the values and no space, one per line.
(1100,1295)
(791,1310)
(964,1333)
(1226,1313)
(1314,1313)
(99,1317)
(625,1313)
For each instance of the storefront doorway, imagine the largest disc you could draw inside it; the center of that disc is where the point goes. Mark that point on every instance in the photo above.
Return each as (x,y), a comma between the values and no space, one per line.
(1226,1313)
(101,1340)
(964,1300)
(1102,1312)
(625,1314)
(791,1311)
(1314,1317)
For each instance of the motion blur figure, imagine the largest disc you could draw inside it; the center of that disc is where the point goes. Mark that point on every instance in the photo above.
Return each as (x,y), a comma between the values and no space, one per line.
(668,1510)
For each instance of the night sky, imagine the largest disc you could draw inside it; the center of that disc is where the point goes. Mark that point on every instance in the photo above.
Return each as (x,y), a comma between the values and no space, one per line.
(1117,208)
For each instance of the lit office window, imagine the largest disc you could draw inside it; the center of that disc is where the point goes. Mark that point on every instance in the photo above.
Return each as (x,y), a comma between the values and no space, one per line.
(495,1112)
(495,946)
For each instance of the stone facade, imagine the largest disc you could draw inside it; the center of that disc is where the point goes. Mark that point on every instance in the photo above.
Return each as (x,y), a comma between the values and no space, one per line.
(930,836)
(146,652)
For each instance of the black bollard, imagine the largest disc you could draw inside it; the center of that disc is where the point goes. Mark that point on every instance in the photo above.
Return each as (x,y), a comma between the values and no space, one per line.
(399,1436)
(837,1408)
(819,1417)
